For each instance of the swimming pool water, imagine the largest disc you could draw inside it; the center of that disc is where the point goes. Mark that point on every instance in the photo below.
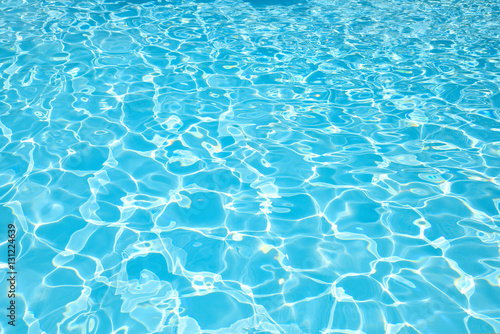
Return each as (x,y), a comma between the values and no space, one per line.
(228,166)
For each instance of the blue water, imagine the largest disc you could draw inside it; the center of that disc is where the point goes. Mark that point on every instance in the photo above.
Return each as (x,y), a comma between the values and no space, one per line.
(250,166)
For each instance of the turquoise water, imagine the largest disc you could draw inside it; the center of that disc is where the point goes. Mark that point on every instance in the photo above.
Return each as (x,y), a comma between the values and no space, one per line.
(251,166)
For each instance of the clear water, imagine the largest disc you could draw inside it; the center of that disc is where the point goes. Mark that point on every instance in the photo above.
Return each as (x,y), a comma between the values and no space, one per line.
(252,166)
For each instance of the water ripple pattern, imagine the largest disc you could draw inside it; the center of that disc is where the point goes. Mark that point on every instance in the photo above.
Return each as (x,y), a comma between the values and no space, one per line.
(252,166)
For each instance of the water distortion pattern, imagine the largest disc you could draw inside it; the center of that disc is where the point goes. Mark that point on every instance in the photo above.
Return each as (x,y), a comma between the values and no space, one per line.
(237,167)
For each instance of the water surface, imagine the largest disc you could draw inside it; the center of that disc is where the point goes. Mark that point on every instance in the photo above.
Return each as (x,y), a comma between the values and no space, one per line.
(252,167)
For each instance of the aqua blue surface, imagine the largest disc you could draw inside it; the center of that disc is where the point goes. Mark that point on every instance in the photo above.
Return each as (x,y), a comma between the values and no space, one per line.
(252,166)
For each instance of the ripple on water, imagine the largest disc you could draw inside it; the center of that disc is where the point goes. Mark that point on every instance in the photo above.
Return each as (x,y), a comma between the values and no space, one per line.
(314,167)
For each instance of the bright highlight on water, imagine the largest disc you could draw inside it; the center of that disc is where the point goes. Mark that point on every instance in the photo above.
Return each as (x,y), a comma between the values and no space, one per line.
(250,166)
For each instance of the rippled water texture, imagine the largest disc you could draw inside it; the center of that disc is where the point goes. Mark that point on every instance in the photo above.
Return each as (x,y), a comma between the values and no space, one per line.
(252,167)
